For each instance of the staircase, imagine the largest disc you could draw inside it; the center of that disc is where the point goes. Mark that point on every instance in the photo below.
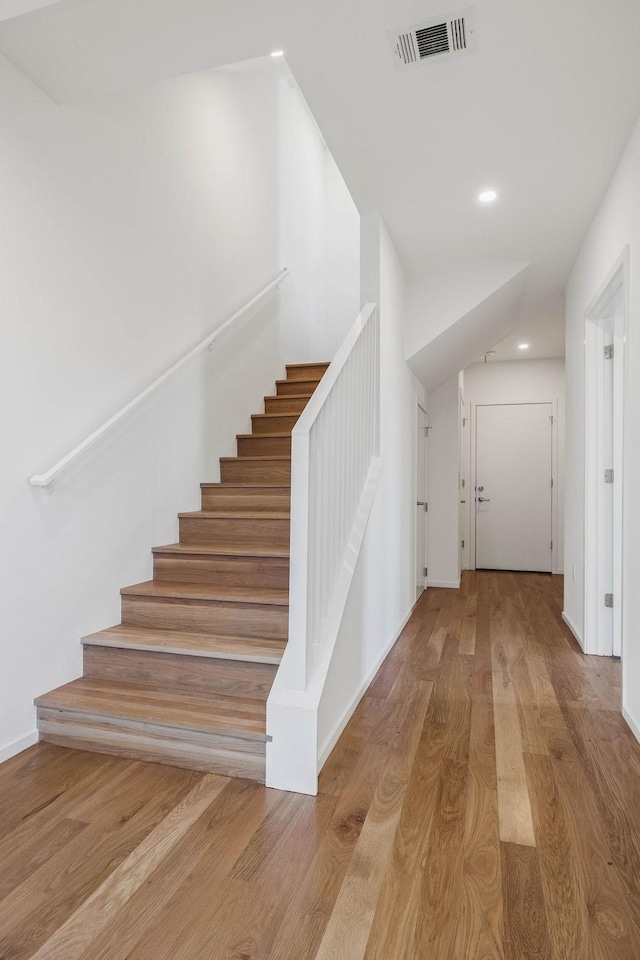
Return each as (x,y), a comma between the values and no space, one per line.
(184,679)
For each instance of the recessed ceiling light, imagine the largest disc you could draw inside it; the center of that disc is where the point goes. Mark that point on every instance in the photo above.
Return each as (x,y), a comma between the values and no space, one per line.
(278,53)
(487,196)
(523,346)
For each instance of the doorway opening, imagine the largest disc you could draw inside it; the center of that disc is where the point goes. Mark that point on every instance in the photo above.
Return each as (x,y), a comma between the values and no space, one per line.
(604,412)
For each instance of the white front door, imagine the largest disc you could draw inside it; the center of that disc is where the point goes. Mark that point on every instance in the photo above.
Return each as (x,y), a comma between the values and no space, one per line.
(421,497)
(513,497)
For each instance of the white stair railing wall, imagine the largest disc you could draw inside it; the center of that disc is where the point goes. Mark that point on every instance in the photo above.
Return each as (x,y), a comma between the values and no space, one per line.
(335,465)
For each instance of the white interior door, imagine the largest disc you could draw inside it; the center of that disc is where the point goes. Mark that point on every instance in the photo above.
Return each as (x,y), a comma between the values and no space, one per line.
(421,499)
(513,497)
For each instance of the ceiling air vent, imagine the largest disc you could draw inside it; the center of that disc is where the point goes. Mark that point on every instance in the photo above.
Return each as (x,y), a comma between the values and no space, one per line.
(440,36)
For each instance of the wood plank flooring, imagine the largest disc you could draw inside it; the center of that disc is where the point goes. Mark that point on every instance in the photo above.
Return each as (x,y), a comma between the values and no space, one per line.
(483,802)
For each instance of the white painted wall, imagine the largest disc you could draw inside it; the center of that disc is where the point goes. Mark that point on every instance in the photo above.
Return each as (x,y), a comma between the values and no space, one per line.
(319,237)
(131,227)
(383,589)
(616,224)
(514,381)
(443,449)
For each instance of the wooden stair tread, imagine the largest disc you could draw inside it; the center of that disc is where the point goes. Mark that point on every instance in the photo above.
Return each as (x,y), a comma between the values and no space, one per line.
(169,590)
(224,550)
(273,487)
(249,649)
(230,716)
(289,396)
(312,380)
(223,514)
(274,416)
(305,366)
(286,398)
(263,436)
(259,459)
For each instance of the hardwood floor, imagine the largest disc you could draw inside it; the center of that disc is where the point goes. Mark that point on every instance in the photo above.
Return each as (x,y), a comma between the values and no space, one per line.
(482,803)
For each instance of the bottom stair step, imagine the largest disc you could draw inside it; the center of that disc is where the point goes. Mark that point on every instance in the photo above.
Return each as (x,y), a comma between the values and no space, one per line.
(220,735)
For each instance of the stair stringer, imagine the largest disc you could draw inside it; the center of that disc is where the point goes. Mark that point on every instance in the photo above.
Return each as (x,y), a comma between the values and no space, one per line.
(294,756)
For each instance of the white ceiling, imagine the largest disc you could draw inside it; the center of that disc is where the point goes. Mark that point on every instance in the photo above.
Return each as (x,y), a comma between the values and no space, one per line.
(541,112)
(545,338)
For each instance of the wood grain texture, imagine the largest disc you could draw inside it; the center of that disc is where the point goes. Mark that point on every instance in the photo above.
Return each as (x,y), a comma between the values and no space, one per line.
(398,857)
(306,371)
(266,470)
(226,617)
(526,936)
(273,422)
(264,445)
(226,753)
(514,807)
(260,530)
(253,649)
(192,564)
(77,933)
(133,701)
(199,675)
(296,388)
(291,404)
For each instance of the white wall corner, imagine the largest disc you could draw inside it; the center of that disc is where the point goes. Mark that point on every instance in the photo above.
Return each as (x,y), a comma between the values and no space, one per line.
(17,746)
(574,629)
(633,726)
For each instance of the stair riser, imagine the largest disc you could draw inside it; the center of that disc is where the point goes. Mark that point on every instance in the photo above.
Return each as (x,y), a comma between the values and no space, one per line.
(193,750)
(285,404)
(252,471)
(194,674)
(264,446)
(225,571)
(217,498)
(221,530)
(296,388)
(280,424)
(312,371)
(207,616)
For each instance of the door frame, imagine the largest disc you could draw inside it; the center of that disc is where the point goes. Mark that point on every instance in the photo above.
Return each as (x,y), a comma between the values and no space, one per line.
(473,414)
(421,408)
(609,306)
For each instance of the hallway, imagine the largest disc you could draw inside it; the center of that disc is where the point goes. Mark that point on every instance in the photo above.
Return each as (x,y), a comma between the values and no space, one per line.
(482,803)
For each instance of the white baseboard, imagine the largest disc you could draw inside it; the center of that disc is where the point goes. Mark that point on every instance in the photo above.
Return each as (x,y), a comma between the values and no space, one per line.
(573,629)
(633,726)
(334,736)
(449,584)
(18,746)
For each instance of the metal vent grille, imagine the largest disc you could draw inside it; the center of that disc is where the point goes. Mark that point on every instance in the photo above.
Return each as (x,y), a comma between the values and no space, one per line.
(432,40)
(458,34)
(407,49)
(438,37)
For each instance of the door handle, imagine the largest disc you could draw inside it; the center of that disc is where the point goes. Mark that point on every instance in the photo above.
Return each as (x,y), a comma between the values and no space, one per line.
(421,503)
(484,499)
